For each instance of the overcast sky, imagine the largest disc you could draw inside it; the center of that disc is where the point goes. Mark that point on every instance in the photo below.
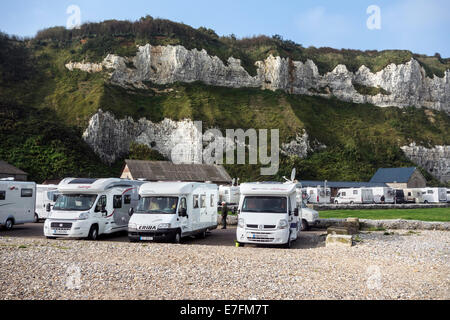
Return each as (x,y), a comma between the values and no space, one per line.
(421,26)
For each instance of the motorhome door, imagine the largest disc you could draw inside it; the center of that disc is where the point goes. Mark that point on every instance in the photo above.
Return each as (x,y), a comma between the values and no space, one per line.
(185,224)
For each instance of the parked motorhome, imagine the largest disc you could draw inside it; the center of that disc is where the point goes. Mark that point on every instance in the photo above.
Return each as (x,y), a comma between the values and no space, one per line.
(434,195)
(317,195)
(17,203)
(229,195)
(170,211)
(448,195)
(354,196)
(45,194)
(413,195)
(268,214)
(309,217)
(383,195)
(87,208)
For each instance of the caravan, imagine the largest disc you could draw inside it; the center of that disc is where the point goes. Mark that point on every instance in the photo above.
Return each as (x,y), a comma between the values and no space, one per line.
(434,195)
(170,211)
(17,203)
(383,195)
(413,195)
(87,208)
(354,196)
(268,214)
(45,194)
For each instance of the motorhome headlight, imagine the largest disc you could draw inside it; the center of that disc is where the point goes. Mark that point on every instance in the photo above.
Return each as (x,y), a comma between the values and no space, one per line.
(283,224)
(83,216)
(241,223)
(164,226)
(132,226)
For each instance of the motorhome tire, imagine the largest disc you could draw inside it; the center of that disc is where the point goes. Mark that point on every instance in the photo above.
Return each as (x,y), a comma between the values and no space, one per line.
(241,244)
(425,202)
(336,202)
(177,237)
(36,218)
(352,203)
(9,224)
(289,243)
(201,235)
(305,225)
(93,233)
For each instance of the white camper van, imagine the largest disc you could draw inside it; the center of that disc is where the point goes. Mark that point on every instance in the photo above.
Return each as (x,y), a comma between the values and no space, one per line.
(413,195)
(45,194)
(17,203)
(170,211)
(268,214)
(317,195)
(434,195)
(354,196)
(309,216)
(229,195)
(87,208)
(383,193)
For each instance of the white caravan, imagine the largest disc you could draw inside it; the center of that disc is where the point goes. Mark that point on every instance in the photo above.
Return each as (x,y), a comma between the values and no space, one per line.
(17,203)
(268,214)
(229,194)
(434,195)
(45,194)
(413,195)
(87,208)
(383,193)
(317,195)
(170,211)
(354,196)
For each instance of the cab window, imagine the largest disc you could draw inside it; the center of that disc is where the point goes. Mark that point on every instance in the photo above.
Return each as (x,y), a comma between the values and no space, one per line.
(101,204)
(183,204)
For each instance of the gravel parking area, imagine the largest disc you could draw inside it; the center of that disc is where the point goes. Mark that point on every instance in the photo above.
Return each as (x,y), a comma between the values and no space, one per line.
(398,265)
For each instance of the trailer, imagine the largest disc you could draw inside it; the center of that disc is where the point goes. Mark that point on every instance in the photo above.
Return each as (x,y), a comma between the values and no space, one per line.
(45,194)
(88,208)
(17,203)
(171,211)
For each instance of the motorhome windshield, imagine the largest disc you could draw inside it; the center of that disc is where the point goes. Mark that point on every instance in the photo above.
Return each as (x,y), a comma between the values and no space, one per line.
(75,202)
(265,204)
(158,205)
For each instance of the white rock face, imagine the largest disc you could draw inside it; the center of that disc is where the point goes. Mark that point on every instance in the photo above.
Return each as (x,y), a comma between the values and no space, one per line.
(435,160)
(407,84)
(301,146)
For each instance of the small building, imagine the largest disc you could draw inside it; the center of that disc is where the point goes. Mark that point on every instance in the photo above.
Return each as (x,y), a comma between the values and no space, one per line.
(400,178)
(9,171)
(335,186)
(154,171)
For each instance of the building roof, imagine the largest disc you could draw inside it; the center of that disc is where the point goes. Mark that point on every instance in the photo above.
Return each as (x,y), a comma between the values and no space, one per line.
(341,184)
(6,168)
(168,171)
(396,175)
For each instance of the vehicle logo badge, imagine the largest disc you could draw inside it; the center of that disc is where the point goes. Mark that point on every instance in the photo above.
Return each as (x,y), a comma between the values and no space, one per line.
(261,227)
(61,225)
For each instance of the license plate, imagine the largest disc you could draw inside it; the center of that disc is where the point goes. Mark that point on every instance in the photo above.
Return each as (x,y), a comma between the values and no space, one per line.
(146,238)
(60,232)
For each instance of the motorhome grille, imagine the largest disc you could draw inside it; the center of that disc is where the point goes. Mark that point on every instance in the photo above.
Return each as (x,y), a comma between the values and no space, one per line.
(252,226)
(269,227)
(61,225)
(255,226)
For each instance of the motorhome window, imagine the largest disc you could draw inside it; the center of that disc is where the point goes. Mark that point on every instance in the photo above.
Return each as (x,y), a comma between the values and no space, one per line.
(344,194)
(2,195)
(355,192)
(101,204)
(203,201)
(212,200)
(26,193)
(127,199)
(265,204)
(157,205)
(52,195)
(183,204)
(430,191)
(196,202)
(311,192)
(117,202)
(75,202)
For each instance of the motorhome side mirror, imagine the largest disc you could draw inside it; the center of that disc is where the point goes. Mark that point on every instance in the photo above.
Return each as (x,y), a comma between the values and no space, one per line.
(296,213)
(131,212)
(49,207)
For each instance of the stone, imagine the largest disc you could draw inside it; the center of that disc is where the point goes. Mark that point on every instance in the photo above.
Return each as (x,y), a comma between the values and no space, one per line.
(338,230)
(352,225)
(338,240)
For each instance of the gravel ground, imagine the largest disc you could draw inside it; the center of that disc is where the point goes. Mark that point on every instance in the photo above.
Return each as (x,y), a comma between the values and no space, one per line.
(401,265)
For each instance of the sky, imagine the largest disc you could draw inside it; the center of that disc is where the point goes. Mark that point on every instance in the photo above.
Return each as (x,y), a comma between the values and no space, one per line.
(422,26)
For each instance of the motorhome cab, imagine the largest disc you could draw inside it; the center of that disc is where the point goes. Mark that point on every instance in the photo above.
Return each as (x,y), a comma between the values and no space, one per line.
(87,208)
(170,211)
(17,203)
(434,195)
(45,194)
(354,195)
(268,214)
(317,195)
(229,194)
(383,195)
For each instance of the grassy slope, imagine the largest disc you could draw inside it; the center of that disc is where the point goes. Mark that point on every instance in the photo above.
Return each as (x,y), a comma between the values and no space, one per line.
(434,214)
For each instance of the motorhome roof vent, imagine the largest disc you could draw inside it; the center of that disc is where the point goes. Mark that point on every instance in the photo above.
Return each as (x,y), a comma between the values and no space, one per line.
(83,181)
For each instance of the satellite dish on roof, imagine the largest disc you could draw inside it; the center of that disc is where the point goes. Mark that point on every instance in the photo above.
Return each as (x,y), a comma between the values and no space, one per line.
(294,173)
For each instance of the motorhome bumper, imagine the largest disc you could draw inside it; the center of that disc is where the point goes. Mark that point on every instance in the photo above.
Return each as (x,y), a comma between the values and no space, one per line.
(158,235)
(67,229)
(262,237)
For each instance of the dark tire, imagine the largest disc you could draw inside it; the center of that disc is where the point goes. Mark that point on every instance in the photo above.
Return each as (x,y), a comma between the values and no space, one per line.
(305,225)
(51,238)
(425,202)
(241,244)
(352,203)
(177,238)
(288,245)
(93,233)
(336,202)
(36,218)
(201,235)
(9,224)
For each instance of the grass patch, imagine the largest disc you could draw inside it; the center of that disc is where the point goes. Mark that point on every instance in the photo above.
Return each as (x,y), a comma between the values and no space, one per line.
(431,214)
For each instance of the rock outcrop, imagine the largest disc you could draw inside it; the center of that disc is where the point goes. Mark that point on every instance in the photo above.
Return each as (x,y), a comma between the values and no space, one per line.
(435,160)
(399,85)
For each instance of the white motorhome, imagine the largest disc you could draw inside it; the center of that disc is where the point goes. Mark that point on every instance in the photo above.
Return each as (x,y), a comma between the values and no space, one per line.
(354,196)
(434,195)
(448,195)
(45,194)
(17,203)
(87,208)
(268,214)
(413,195)
(170,211)
(317,195)
(309,216)
(229,194)
(383,195)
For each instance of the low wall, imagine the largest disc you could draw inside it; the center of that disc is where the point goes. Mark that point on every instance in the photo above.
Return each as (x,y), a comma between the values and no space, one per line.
(388,224)
(328,207)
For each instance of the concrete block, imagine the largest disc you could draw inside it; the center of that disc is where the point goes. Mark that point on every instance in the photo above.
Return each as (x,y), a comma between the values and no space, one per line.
(338,240)
(338,230)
